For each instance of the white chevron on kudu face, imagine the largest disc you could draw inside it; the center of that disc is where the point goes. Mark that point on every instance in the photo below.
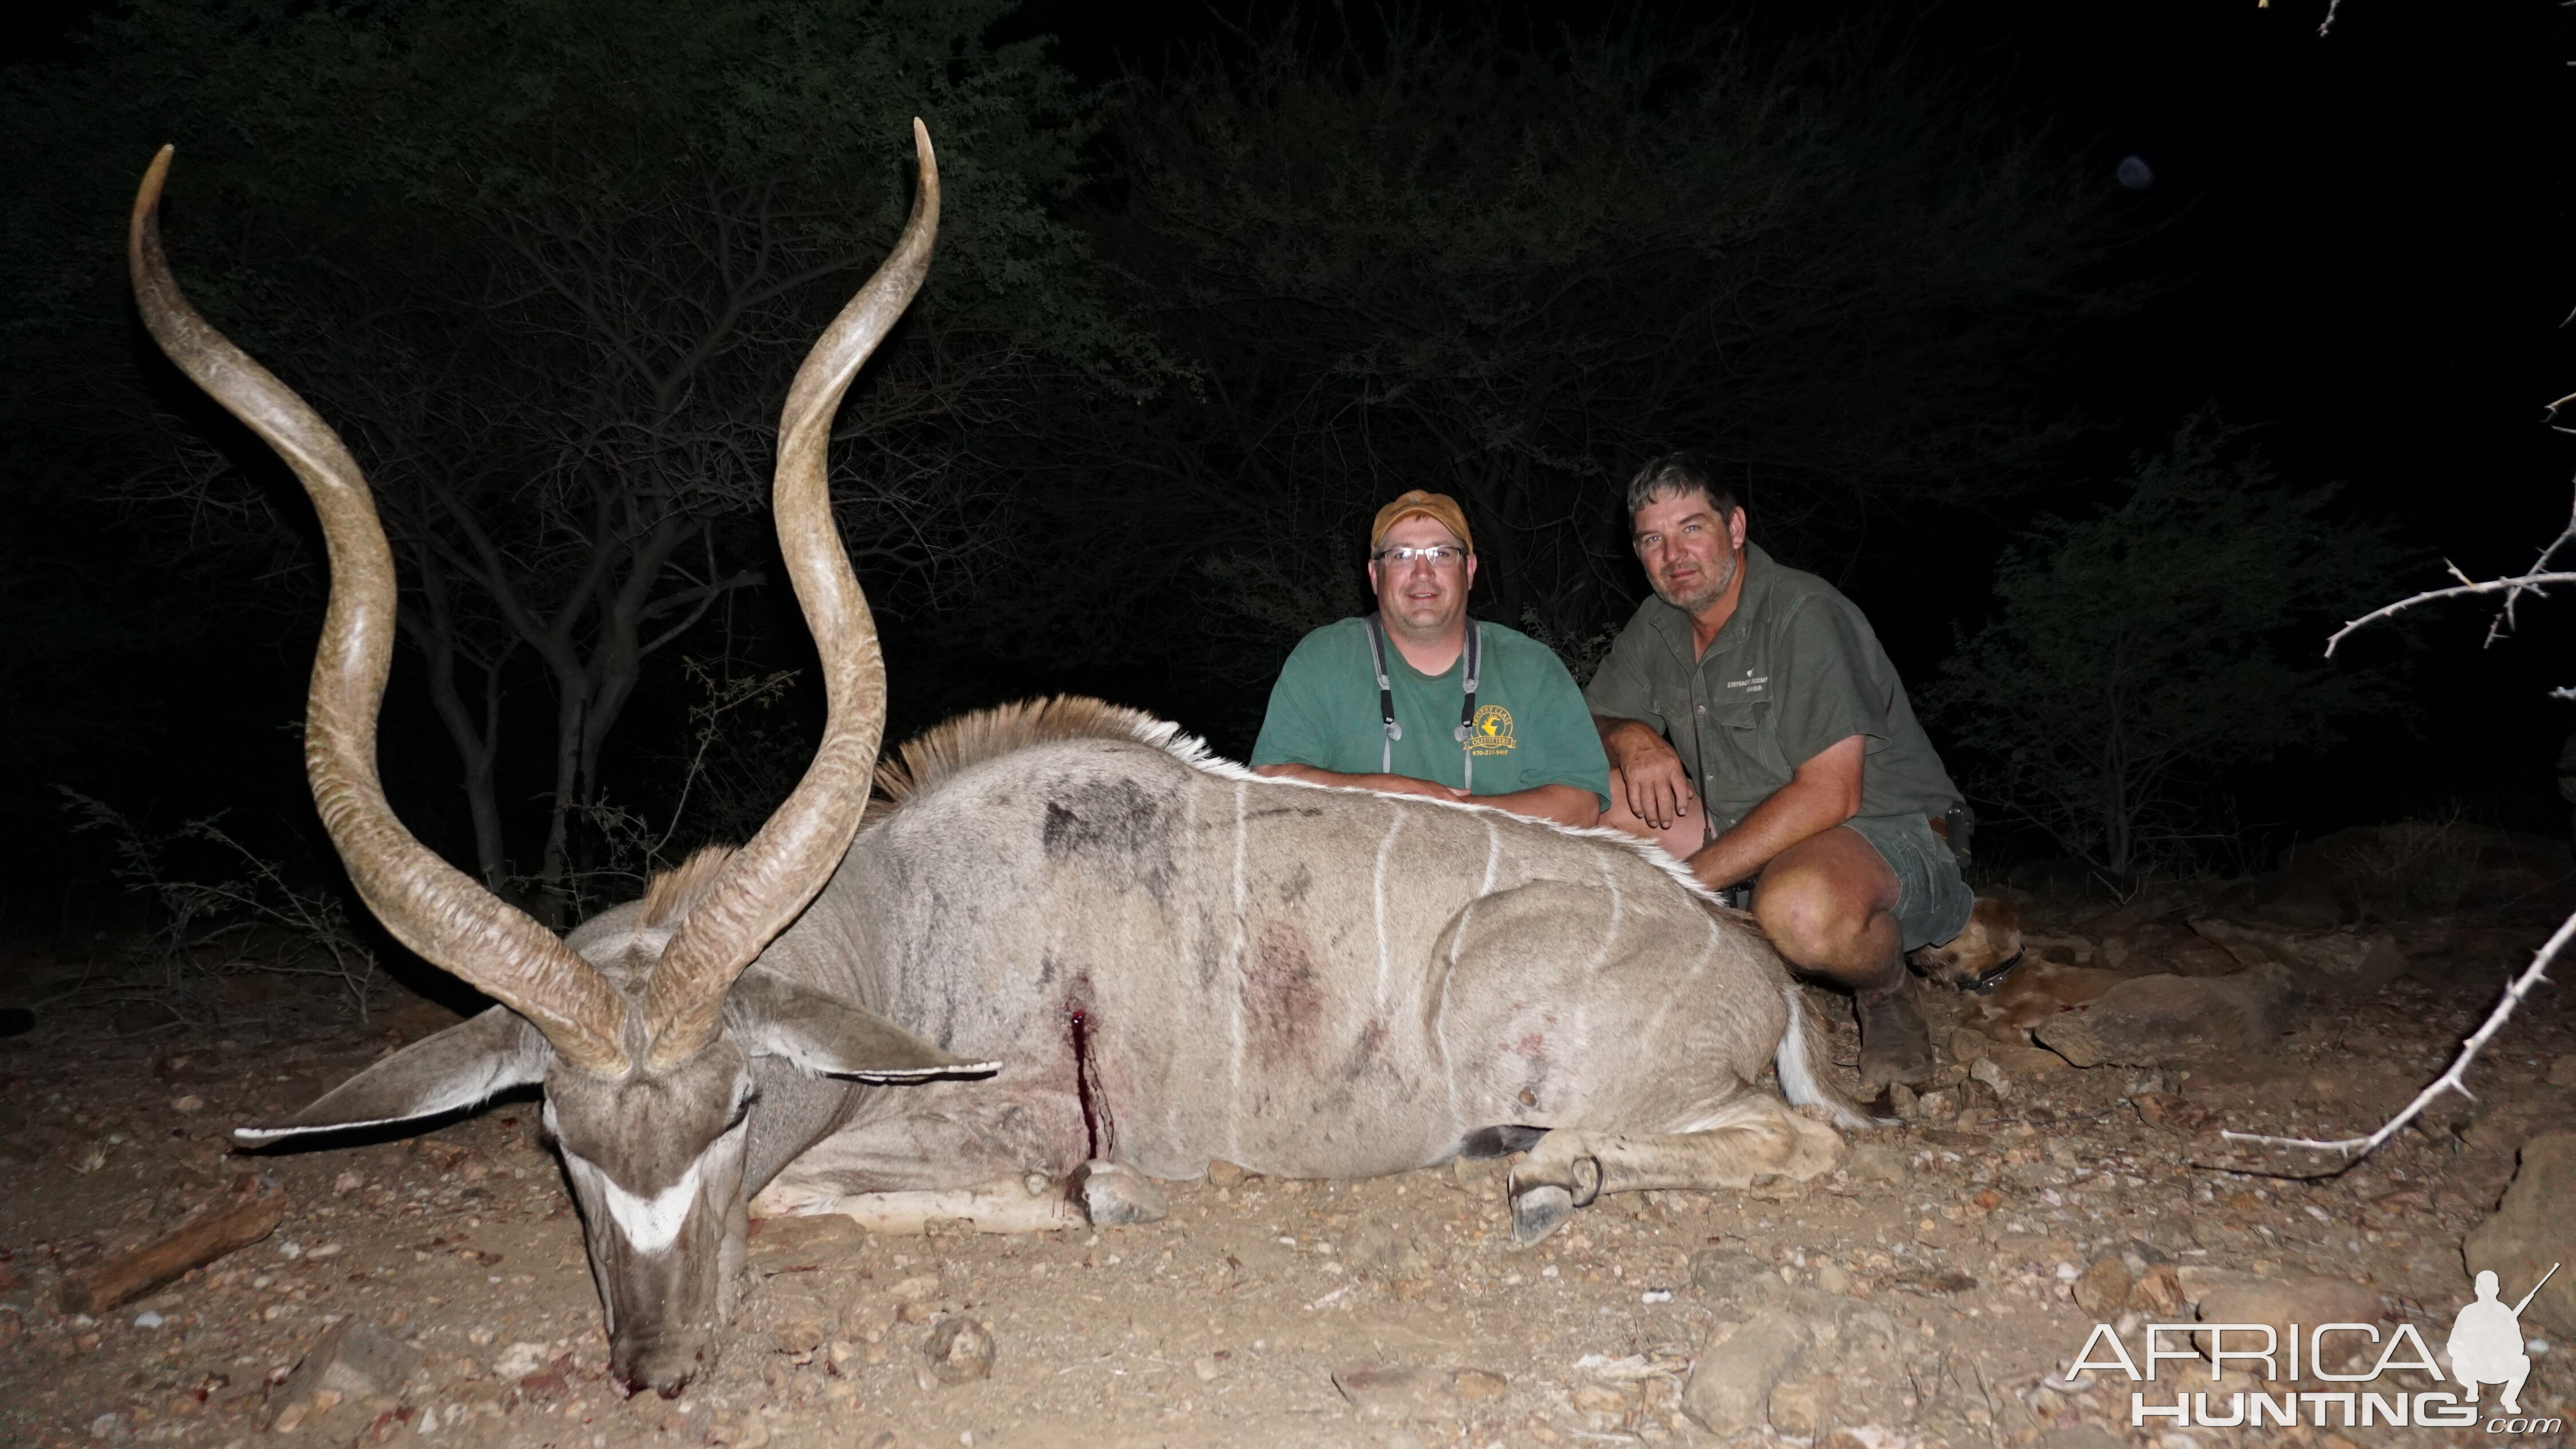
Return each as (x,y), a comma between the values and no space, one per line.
(651,1224)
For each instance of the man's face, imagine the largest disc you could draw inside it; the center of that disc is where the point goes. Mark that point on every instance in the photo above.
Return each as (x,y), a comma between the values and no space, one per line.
(1690,553)
(1421,597)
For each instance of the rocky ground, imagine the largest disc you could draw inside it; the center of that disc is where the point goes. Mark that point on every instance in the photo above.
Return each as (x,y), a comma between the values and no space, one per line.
(1931,1291)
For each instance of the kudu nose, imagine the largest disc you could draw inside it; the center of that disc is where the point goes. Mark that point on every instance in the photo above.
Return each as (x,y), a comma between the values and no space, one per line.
(650,1366)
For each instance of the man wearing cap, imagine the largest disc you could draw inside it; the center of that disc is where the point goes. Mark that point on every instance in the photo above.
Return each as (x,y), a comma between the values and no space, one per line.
(1758,732)
(1419,699)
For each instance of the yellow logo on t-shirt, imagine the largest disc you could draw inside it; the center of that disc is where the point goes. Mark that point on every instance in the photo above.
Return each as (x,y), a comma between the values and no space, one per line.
(1491,734)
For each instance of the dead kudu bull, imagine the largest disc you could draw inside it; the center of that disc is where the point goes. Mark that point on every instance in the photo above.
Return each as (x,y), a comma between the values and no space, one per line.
(1068,945)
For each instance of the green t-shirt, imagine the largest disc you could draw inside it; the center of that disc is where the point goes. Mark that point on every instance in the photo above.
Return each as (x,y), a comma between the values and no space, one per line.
(1795,670)
(1530,729)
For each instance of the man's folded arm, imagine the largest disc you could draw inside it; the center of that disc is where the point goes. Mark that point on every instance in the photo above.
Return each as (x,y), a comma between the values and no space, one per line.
(1823,793)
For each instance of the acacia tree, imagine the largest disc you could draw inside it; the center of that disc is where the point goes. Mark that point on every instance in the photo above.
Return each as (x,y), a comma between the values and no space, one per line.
(551,264)
(1444,259)
(2148,642)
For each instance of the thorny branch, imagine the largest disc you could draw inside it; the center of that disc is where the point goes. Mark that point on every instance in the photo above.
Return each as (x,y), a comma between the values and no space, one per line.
(2534,581)
(2355,1148)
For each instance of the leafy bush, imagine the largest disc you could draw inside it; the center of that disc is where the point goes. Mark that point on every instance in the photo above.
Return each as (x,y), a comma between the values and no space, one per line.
(2135,650)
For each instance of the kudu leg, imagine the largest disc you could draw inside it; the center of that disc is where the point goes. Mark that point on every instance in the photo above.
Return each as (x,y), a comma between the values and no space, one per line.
(1752,1137)
(1007,1205)
(990,1165)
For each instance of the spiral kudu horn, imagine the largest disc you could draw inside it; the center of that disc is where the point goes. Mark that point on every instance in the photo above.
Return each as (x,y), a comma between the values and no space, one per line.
(429,905)
(769,881)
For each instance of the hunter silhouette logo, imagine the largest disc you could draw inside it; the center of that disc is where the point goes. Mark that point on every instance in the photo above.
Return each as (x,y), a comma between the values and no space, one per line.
(1491,734)
(2486,1342)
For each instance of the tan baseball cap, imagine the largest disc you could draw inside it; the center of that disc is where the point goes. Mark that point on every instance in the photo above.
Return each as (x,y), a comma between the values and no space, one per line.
(1438,507)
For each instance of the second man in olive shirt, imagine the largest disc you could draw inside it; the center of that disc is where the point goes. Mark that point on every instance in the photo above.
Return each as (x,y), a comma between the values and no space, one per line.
(1756,729)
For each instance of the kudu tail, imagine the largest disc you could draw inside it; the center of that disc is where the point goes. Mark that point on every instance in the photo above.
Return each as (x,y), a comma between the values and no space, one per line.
(1802,1083)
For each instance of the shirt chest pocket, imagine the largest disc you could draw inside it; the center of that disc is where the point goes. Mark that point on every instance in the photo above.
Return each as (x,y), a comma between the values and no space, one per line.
(1740,732)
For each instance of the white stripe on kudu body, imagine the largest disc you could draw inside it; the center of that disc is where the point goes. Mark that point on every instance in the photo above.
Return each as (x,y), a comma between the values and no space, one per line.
(1390,973)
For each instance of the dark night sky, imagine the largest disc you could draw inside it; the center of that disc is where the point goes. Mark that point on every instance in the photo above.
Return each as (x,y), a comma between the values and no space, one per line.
(2365,237)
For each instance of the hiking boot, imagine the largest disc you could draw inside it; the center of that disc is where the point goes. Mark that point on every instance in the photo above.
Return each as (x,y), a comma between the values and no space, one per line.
(1895,1044)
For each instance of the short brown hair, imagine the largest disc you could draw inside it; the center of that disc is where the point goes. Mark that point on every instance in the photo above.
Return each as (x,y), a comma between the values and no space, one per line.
(1680,473)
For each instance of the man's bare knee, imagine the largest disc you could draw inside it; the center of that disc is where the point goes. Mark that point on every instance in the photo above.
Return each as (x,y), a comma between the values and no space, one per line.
(1800,914)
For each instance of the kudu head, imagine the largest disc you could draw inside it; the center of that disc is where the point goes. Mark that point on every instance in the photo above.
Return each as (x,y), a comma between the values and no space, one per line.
(645,1057)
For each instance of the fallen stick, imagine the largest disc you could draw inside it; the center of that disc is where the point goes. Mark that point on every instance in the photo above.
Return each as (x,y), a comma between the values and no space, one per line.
(129,1276)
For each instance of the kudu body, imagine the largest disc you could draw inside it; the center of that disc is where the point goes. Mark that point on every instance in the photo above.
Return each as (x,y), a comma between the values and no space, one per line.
(1067,936)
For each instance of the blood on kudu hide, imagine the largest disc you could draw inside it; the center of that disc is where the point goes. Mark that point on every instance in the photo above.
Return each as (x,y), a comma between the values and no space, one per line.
(1066,938)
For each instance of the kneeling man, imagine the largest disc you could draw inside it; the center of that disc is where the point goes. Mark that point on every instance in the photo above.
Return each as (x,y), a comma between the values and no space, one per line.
(1768,688)
(1419,699)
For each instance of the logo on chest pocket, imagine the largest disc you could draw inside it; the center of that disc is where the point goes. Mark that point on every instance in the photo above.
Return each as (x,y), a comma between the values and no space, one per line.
(1491,732)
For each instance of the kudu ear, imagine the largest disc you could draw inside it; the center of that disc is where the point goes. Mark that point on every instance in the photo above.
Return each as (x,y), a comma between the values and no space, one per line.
(773,1016)
(461,1066)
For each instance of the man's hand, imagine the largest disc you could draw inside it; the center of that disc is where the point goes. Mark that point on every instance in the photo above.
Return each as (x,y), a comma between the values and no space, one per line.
(1823,793)
(1658,792)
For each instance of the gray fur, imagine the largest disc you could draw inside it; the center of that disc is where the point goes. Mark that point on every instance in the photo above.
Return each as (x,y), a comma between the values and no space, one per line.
(1309,982)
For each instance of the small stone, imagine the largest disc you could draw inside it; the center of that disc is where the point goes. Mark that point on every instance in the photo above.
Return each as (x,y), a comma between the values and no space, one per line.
(149,1319)
(1995,1077)
(1476,1385)
(1206,1367)
(1801,1407)
(1116,1195)
(348,1182)
(1409,1391)
(2103,1288)
(1870,1160)
(189,1103)
(800,1323)
(1732,1379)
(1725,1273)
(1833,1278)
(520,1360)
(2154,1021)
(352,1359)
(1610,1399)
(1222,1173)
(2027,1061)
(2532,1229)
(2305,1299)
(958,1350)
(2158,1290)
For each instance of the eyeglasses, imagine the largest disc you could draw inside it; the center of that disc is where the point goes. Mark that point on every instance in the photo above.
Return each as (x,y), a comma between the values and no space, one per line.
(1438,555)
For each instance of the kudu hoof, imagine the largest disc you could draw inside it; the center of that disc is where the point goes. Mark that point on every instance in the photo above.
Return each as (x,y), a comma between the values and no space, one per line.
(1538,1211)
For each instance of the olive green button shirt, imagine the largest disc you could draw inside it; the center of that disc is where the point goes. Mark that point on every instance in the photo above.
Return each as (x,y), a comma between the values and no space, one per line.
(1796,670)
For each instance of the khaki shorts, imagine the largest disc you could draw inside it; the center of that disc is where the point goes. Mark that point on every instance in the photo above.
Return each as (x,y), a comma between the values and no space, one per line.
(1932,898)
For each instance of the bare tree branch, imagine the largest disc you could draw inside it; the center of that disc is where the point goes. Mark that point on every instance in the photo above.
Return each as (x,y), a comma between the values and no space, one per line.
(2452,1080)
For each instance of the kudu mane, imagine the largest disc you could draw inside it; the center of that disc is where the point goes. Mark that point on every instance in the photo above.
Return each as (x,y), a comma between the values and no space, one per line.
(989,734)
(670,893)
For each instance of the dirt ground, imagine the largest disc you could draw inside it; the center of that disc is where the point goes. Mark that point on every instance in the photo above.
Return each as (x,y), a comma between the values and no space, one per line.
(1940,1259)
